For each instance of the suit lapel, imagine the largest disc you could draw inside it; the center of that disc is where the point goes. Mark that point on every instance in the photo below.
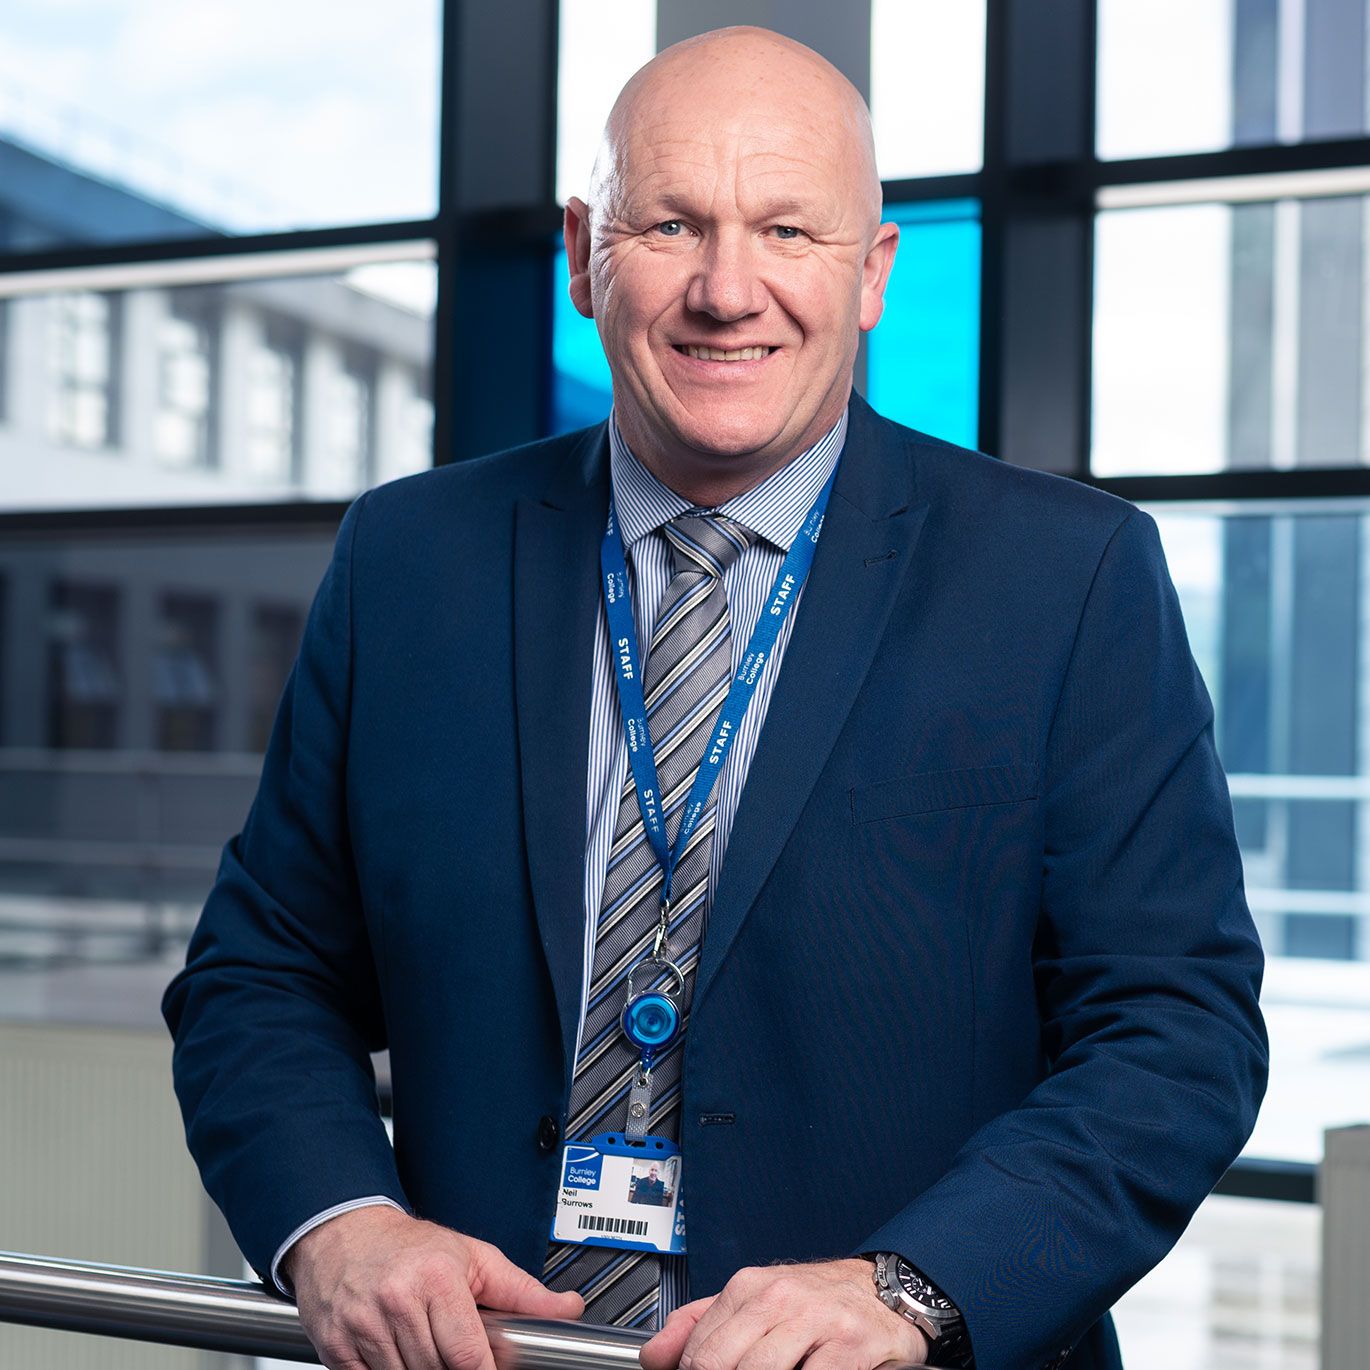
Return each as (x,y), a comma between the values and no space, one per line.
(556,598)
(868,538)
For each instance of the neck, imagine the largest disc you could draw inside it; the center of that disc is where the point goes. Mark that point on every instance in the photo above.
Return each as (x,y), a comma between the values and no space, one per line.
(706,480)
(707,489)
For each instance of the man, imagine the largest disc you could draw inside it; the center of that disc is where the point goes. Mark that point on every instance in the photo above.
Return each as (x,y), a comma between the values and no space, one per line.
(650,1189)
(978,982)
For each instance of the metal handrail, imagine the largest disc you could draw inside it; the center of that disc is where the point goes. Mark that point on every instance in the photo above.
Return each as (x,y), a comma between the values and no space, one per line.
(236,1316)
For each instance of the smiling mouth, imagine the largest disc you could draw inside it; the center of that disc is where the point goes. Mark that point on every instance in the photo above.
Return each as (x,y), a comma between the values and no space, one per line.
(718,354)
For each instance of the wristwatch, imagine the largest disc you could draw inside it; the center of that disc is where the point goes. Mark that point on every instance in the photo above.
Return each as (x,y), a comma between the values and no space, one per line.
(905,1290)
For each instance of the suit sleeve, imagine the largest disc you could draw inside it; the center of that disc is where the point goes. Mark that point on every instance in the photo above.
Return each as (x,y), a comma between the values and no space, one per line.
(278,1007)
(1147,968)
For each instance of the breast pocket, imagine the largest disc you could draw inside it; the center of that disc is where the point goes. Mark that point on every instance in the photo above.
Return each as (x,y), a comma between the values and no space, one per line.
(934,791)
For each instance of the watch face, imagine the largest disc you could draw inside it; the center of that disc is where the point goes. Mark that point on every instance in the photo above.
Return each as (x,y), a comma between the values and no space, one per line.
(916,1287)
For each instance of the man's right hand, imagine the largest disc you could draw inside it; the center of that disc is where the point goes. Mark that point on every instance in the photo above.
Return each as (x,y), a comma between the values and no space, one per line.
(379,1290)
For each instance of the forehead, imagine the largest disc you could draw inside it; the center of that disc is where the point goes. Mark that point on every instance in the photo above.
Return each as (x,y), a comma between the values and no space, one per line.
(734,159)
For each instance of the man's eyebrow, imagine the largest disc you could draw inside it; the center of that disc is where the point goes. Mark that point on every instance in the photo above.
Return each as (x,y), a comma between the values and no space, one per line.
(670,205)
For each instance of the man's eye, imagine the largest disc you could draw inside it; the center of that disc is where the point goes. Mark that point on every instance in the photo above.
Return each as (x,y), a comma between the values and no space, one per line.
(787,231)
(672,228)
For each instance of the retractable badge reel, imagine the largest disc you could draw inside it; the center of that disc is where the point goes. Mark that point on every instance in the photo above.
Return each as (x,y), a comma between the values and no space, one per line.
(651,1020)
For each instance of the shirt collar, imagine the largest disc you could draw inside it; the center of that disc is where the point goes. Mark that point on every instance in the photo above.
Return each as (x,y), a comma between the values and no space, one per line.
(774,510)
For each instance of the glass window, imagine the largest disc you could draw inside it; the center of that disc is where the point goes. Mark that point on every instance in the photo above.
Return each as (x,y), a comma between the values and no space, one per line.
(84,350)
(415,449)
(4,359)
(276,632)
(581,385)
(85,689)
(1229,335)
(1279,621)
(143,645)
(1239,1291)
(347,455)
(124,122)
(927,86)
(1247,72)
(273,402)
(923,357)
(188,336)
(184,670)
(602,43)
(233,391)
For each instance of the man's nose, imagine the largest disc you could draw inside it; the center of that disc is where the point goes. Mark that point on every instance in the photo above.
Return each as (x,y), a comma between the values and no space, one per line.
(727,284)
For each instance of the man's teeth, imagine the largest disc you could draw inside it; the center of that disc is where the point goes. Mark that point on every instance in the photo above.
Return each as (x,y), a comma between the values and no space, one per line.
(717,354)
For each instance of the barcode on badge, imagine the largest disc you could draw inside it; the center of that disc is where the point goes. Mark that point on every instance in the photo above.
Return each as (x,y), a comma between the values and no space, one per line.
(629,1227)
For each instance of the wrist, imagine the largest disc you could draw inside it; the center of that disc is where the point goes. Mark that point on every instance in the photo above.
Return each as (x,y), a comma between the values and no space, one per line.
(352,1224)
(907,1292)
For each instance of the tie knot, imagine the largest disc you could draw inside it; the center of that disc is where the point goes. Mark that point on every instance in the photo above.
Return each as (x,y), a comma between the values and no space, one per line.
(708,543)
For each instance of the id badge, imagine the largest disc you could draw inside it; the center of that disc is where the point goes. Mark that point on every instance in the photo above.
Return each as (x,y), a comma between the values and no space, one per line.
(621,1191)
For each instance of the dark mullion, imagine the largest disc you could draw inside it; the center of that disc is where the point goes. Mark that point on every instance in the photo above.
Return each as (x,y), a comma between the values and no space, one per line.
(1257,1178)
(301,514)
(993,225)
(446,230)
(1297,483)
(182,249)
(1088,135)
(1272,158)
(964,186)
(550,235)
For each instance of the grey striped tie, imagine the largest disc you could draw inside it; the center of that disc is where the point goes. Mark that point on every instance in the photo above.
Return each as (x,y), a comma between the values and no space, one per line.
(688,671)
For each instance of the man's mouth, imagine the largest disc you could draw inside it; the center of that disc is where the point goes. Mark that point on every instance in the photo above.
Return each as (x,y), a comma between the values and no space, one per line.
(719,354)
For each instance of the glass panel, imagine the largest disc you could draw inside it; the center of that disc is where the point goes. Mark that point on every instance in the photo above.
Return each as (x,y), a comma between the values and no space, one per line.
(581,385)
(85,336)
(1238,1292)
(922,359)
(1229,336)
(602,43)
(139,677)
(1246,72)
(305,387)
(1278,611)
(928,86)
(139,674)
(123,121)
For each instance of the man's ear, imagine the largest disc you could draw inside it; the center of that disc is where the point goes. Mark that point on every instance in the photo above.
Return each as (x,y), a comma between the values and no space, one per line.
(875,272)
(576,230)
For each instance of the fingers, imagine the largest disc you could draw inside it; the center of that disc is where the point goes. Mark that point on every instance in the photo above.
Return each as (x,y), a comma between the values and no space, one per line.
(458,1333)
(735,1297)
(663,1351)
(784,1347)
(824,1316)
(388,1292)
(719,1343)
(496,1282)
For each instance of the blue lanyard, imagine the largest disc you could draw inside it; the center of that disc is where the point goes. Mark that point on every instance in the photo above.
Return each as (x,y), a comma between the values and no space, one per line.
(789,581)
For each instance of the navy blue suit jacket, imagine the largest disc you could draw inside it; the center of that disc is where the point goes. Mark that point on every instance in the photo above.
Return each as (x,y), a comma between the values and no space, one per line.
(980,984)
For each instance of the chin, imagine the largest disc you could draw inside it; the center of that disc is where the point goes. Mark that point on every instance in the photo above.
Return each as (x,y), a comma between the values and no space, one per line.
(724,436)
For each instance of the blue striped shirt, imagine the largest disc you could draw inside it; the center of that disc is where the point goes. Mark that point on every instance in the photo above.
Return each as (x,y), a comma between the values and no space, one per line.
(775,511)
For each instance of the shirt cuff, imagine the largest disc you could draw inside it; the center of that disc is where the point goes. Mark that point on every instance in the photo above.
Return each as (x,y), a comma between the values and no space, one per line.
(371,1201)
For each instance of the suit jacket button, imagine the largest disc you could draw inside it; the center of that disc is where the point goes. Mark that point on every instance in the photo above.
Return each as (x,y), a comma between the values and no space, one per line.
(549,1134)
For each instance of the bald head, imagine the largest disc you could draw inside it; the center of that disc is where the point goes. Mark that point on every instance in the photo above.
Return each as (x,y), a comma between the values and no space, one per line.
(742,75)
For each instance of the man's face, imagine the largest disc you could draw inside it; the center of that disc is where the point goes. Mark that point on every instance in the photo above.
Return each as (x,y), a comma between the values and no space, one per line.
(733,222)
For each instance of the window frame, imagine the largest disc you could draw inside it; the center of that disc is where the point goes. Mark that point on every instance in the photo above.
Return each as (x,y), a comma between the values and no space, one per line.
(497,221)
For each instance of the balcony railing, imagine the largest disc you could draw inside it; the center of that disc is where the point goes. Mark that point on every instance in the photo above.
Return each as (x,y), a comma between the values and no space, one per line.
(241,1318)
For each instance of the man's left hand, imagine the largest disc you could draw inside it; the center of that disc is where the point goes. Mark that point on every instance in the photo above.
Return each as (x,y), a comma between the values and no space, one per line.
(825,1316)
